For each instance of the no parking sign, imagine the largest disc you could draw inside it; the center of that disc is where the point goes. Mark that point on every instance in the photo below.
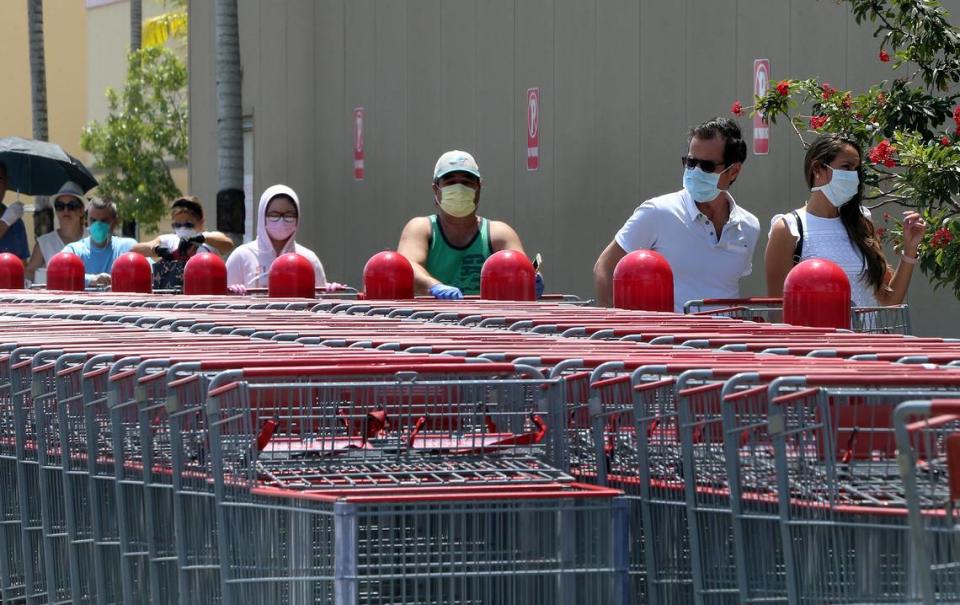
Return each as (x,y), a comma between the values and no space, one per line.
(533,128)
(761,129)
(358,171)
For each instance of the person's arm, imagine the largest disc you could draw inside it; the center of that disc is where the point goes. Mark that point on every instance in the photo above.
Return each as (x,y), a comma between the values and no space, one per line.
(236,269)
(147,248)
(35,262)
(503,237)
(218,241)
(603,273)
(895,289)
(778,258)
(414,245)
(639,232)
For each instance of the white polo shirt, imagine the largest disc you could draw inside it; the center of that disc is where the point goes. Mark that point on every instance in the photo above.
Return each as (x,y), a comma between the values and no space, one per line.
(702,266)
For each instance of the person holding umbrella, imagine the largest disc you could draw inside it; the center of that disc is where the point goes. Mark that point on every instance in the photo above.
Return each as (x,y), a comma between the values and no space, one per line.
(69,205)
(101,248)
(13,235)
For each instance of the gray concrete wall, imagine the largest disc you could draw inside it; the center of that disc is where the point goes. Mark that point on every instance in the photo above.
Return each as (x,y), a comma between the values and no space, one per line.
(620,81)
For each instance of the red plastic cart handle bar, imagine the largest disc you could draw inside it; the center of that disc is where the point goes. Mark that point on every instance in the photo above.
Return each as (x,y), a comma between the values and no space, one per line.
(461,369)
(945,407)
(918,378)
(741,301)
(447,493)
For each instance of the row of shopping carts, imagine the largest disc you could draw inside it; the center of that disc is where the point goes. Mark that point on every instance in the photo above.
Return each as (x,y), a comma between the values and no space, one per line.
(244,451)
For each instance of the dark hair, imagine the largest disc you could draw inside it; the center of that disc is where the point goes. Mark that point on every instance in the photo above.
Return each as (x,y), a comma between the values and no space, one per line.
(285,197)
(734,149)
(190,203)
(859,228)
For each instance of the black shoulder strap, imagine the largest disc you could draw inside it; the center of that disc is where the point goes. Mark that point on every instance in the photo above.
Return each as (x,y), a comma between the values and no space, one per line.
(798,250)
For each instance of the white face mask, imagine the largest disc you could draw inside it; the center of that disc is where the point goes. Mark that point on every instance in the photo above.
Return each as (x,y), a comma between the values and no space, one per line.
(184,232)
(842,187)
(458,200)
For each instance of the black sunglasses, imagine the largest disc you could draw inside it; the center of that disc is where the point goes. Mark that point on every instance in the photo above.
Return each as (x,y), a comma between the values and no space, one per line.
(61,206)
(705,165)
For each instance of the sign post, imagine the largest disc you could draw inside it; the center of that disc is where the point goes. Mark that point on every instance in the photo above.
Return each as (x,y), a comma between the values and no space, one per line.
(761,128)
(533,128)
(358,171)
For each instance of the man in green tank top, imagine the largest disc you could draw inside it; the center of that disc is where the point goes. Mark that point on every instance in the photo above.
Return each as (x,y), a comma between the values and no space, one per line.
(448,249)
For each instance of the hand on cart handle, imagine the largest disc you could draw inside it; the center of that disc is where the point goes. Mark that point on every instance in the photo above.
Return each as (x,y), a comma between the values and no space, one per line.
(163,252)
(237,289)
(446,292)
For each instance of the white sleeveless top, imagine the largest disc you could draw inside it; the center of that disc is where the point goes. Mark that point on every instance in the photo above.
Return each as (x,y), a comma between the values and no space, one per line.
(826,238)
(50,245)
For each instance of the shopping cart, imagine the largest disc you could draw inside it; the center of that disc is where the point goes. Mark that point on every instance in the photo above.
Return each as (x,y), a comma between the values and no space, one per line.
(12,562)
(526,544)
(841,504)
(464,448)
(928,442)
(894,319)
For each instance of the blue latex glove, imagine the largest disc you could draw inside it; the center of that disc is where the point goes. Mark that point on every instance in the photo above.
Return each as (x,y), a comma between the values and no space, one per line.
(539,285)
(445,291)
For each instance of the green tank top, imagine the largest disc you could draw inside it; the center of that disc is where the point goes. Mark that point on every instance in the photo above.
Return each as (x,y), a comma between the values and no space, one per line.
(456,266)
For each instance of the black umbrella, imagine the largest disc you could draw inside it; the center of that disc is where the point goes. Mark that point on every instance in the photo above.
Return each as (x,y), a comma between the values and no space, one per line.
(41,168)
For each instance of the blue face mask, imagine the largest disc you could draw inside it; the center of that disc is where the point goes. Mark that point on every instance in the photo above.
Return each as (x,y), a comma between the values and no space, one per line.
(99,232)
(702,186)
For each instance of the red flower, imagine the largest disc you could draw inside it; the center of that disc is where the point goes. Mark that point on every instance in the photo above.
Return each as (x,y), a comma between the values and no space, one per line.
(941,238)
(956,115)
(881,232)
(884,56)
(945,141)
(736,109)
(883,154)
(827,90)
(817,122)
(783,87)
(847,101)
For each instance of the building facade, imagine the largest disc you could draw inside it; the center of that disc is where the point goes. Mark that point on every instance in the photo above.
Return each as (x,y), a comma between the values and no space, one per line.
(619,81)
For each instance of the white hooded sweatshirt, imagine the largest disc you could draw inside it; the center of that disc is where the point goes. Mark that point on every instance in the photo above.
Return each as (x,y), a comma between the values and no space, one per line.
(249,264)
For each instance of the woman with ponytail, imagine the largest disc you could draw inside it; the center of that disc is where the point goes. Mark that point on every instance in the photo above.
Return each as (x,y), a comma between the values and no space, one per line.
(834,226)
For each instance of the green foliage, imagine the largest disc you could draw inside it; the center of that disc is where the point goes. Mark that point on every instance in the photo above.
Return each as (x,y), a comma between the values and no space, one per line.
(904,122)
(146,127)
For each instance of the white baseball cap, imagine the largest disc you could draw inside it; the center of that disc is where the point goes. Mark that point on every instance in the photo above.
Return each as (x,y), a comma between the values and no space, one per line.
(456,161)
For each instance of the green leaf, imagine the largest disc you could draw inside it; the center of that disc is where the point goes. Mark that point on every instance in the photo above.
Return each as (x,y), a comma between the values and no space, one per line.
(140,133)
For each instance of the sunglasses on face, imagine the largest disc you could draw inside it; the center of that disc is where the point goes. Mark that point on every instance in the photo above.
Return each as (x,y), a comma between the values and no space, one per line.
(187,225)
(705,165)
(276,218)
(61,206)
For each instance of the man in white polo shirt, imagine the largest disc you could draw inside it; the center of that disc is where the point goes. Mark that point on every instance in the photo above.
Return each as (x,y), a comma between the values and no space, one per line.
(707,239)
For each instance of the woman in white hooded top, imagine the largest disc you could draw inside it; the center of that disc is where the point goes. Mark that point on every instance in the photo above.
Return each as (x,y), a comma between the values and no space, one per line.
(278,217)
